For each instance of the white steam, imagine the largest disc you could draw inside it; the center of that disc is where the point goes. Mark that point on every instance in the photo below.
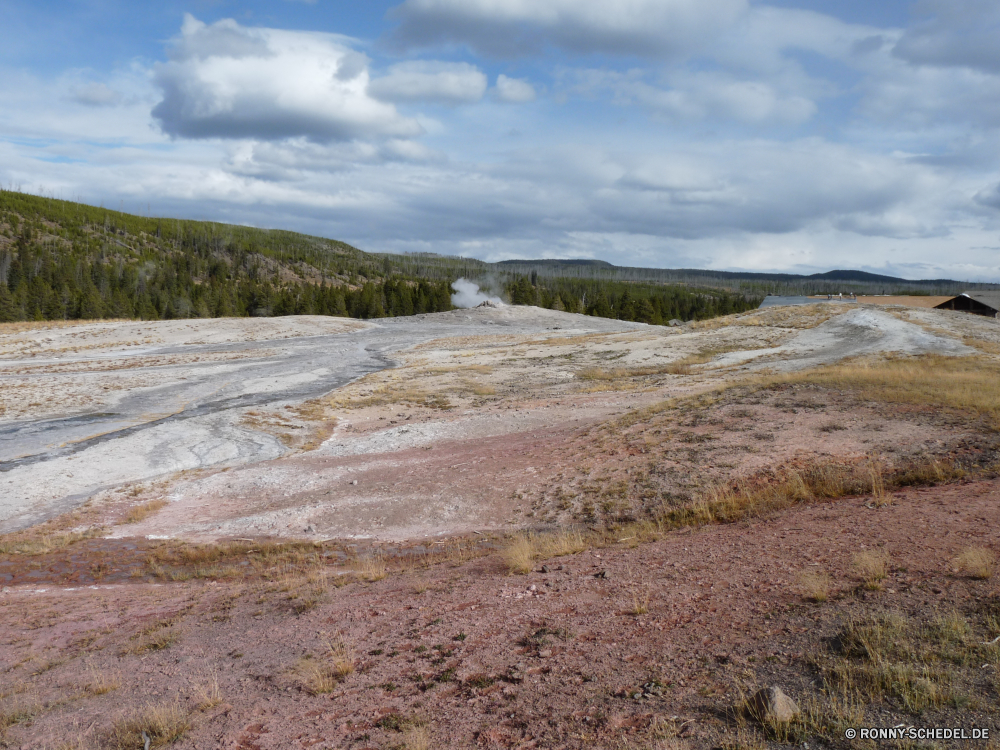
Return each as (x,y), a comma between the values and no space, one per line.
(467,294)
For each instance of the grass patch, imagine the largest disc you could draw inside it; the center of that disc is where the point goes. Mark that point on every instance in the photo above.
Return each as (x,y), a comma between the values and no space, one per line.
(372,567)
(143,511)
(17,709)
(977,562)
(102,682)
(321,675)
(969,384)
(872,567)
(815,585)
(522,550)
(155,638)
(163,724)
(33,543)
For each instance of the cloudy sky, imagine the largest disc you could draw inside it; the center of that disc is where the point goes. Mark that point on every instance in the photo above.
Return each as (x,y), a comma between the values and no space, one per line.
(792,135)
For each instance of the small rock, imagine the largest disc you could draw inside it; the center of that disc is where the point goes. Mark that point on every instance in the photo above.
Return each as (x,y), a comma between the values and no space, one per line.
(545,653)
(544,569)
(309,529)
(771,704)
(601,574)
(354,481)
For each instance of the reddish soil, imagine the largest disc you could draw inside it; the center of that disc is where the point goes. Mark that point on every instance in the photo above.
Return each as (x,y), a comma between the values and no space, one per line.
(486,659)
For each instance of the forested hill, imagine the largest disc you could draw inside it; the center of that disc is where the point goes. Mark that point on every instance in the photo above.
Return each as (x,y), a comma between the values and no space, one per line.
(67,260)
(62,260)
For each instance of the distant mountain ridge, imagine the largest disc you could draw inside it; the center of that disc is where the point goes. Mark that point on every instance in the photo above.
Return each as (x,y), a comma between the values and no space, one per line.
(845,275)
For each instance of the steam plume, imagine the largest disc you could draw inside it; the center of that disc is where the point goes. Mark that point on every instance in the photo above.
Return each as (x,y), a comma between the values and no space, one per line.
(467,294)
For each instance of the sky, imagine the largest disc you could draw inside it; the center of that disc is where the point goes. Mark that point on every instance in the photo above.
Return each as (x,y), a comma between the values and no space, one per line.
(793,135)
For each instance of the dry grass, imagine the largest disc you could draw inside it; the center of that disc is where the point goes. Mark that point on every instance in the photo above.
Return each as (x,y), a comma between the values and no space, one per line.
(314,676)
(872,567)
(640,602)
(152,639)
(520,553)
(321,675)
(37,542)
(372,567)
(102,682)
(970,384)
(977,562)
(879,656)
(815,585)
(163,724)
(522,550)
(416,738)
(17,709)
(143,511)
(341,656)
(876,470)
(208,694)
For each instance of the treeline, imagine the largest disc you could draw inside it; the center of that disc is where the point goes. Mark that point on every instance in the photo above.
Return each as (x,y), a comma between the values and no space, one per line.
(61,261)
(751,284)
(643,303)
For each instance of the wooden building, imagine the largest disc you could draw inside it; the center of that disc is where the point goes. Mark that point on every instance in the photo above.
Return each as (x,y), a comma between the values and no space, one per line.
(978,303)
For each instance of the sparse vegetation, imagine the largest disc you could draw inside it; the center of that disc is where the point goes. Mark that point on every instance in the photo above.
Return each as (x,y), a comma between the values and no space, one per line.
(969,384)
(522,550)
(102,682)
(207,692)
(815,585)
(162,723)
(872,567)
(977,562)
(372,567)
(143,511)
(315,676)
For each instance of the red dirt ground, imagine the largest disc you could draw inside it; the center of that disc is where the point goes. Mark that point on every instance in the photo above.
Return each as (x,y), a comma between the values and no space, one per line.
(487,659)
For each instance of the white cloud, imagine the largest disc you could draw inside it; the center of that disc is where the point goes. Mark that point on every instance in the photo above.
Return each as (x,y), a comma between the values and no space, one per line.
(228,81)
(513,90)
(440,82)
(659,28)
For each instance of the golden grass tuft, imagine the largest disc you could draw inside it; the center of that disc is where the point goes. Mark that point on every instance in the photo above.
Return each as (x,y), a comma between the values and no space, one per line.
(102,682)
(143,511)
(416,738)
(372,567)
(314,676)
(163,724)
(341,656)
(321,675)
(872,567)
(522,550)
(519,554)
(208,694)
(814,585)
(977,562)
(876,470)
